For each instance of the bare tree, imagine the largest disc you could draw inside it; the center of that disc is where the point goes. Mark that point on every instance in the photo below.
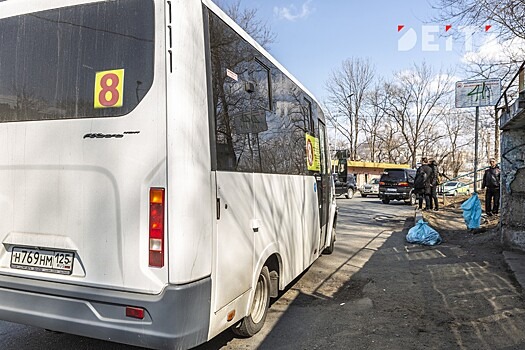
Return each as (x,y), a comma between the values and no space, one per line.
(332,118)
(414,104)
(248,20)
(451,152)
(347,87)
(506,15)
(507,18)
(391,145)
(374,121)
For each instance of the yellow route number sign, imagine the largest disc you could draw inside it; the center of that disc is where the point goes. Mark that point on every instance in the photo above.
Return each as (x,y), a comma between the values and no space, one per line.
(312,153)
(109,88)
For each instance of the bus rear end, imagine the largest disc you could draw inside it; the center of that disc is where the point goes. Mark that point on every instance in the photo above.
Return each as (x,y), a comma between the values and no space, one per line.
(83,164)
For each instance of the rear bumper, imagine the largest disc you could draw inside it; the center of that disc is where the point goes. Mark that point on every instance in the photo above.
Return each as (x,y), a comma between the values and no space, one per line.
(394,195)
(178,317)
(370,192)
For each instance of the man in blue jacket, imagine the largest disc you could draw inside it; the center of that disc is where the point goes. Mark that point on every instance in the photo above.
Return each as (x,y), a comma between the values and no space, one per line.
(491,180)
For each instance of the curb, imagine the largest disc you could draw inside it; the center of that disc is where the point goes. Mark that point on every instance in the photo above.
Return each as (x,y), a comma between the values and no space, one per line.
(418,215)
(516,263)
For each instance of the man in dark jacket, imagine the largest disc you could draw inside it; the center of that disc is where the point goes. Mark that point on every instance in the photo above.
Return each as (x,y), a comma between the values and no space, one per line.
(422,183)
(434,182)
(491,180)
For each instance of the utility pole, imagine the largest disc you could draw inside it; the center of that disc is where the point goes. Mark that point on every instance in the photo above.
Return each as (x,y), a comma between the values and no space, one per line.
(476,141)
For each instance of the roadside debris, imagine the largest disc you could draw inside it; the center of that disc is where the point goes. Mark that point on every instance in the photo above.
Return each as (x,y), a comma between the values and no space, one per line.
(472,212)
(423,234)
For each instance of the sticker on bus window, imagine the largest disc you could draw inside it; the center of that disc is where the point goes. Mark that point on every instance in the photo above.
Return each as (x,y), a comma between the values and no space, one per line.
(312,153)
(109,88)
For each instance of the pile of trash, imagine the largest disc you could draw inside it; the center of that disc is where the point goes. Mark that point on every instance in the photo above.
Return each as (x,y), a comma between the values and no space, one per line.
(423,234)
(472,212)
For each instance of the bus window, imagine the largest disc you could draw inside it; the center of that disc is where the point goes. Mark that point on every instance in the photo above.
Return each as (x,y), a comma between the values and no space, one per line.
(72,46)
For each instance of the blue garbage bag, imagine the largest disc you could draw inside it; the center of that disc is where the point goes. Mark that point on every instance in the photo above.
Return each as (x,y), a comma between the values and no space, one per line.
(423,234)
(472,211)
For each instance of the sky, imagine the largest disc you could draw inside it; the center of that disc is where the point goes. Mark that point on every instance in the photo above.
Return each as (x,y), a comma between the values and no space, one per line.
(314,37)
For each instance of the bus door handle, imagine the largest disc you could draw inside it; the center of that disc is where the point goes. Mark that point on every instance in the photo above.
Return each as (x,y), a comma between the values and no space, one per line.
(256,224)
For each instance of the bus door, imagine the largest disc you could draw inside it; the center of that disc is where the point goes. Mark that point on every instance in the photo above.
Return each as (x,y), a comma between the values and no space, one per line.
(235,236)
(323,183)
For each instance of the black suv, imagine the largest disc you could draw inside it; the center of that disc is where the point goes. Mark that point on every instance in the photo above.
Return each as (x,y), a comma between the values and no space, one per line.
(345,184)
(397,184)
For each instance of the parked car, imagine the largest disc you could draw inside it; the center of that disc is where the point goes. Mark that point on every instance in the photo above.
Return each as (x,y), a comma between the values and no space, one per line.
(453,188)
(345,184)
(397,184)
(371,188)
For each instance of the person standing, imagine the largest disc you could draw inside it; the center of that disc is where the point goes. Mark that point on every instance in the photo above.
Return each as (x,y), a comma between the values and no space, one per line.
(434,182)
(491,180)
(422,183)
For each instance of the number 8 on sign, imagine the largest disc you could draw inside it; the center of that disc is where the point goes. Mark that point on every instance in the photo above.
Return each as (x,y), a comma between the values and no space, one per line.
(109,87)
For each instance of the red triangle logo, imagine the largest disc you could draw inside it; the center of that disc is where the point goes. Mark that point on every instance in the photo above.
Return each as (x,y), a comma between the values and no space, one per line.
(400,26)
(447,27)
(487,27)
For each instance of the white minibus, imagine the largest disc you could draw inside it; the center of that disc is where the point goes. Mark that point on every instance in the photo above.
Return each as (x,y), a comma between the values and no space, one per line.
(161,175)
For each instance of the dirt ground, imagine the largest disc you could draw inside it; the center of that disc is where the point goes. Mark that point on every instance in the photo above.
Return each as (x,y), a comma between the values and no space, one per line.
(481,304)
(448,221)
(456,295)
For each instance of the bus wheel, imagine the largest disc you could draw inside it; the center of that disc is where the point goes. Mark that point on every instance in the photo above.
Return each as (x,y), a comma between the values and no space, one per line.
(349,193)
(330,249)
(385,201)
(253,323)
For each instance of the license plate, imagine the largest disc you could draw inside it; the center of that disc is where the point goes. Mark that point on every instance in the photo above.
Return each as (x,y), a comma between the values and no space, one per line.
(42,260)
(391,190)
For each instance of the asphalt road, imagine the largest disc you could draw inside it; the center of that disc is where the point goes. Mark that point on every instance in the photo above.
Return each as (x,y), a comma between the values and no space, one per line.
(302,318)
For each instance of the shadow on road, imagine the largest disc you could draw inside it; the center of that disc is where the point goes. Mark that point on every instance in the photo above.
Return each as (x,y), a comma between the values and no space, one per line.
(407,297)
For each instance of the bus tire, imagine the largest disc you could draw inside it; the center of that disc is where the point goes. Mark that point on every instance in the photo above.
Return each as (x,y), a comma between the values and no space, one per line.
(330,249)
(385,201)
(253,323)
(349,193)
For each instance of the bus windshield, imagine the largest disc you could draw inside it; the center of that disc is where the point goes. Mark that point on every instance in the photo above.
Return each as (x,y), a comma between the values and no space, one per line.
(71,62)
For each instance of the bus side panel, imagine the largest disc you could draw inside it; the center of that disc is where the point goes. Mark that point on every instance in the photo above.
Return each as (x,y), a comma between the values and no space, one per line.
(190,196)
(287,207)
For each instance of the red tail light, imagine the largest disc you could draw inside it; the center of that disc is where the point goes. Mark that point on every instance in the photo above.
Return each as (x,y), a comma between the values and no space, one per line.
(156,227)
(381,183)
(403,184)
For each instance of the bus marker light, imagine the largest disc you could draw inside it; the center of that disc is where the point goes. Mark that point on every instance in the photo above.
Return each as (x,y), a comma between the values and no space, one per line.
(135,312)
(231,315)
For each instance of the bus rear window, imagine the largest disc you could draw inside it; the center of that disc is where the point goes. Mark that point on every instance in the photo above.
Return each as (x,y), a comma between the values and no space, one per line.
(91,60)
